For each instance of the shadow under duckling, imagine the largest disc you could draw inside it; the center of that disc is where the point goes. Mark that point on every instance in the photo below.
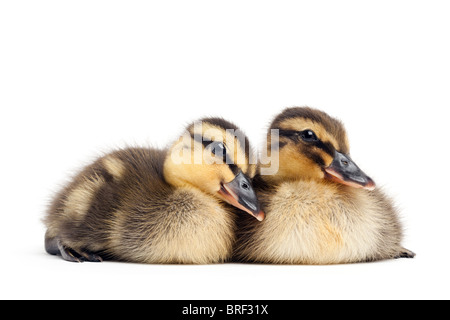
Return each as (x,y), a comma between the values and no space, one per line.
(320,207)
(158,206)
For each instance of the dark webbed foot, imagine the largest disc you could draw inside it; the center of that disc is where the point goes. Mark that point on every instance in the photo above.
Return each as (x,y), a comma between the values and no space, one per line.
(405,253)
(68,254)
(91,257)
(71,255)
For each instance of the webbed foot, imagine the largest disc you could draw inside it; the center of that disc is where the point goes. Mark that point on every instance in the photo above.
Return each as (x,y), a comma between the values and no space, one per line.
(405,253)
(54,246)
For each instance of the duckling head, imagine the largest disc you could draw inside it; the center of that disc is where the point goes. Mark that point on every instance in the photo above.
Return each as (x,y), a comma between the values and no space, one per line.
(213,155)
(313,145)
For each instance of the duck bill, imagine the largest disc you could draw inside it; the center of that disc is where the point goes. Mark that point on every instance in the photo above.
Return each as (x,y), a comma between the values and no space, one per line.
(240,194)
(344,170)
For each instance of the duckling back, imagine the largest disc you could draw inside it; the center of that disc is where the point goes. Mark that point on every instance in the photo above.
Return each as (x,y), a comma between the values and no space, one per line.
(121,208)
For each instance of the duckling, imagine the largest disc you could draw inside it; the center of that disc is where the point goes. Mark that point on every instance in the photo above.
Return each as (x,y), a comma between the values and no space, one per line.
(320,207)
(148,205)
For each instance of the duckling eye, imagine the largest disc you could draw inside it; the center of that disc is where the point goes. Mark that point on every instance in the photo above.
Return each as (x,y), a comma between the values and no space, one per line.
(218,148)
(308,136)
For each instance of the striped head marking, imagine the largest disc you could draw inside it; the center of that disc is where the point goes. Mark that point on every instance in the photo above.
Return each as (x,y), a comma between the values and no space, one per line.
(313,145)
(214,156)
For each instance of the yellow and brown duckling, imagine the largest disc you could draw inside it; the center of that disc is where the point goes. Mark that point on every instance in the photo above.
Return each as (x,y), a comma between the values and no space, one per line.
(321,208)
(158,206)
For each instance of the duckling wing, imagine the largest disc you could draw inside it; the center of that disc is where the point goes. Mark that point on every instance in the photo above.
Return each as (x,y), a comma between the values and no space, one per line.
(81,218)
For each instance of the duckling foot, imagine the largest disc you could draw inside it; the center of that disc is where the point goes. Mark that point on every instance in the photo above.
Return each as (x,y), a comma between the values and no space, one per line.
(91,257)
(405,253)
(71,255)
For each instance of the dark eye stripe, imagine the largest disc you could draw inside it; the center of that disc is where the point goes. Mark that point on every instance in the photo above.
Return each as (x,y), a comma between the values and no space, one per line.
(314,156)
(199,138)
(234,168)
(293,135)
(325,146)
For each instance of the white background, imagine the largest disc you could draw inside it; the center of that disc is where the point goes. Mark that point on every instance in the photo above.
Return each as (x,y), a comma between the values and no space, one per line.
(81,78)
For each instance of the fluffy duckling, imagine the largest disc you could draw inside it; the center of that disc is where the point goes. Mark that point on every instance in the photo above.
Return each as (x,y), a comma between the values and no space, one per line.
(321,208)
(158,206)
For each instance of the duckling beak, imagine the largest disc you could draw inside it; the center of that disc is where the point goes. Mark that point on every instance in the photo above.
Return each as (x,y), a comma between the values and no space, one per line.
(240,194)
(344,170)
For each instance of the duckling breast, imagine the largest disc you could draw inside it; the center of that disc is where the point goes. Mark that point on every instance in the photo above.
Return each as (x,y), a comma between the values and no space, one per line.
(186,226)
(315,223)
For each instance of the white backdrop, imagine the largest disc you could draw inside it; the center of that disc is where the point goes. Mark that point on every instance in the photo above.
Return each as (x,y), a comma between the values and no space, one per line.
(80,78)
